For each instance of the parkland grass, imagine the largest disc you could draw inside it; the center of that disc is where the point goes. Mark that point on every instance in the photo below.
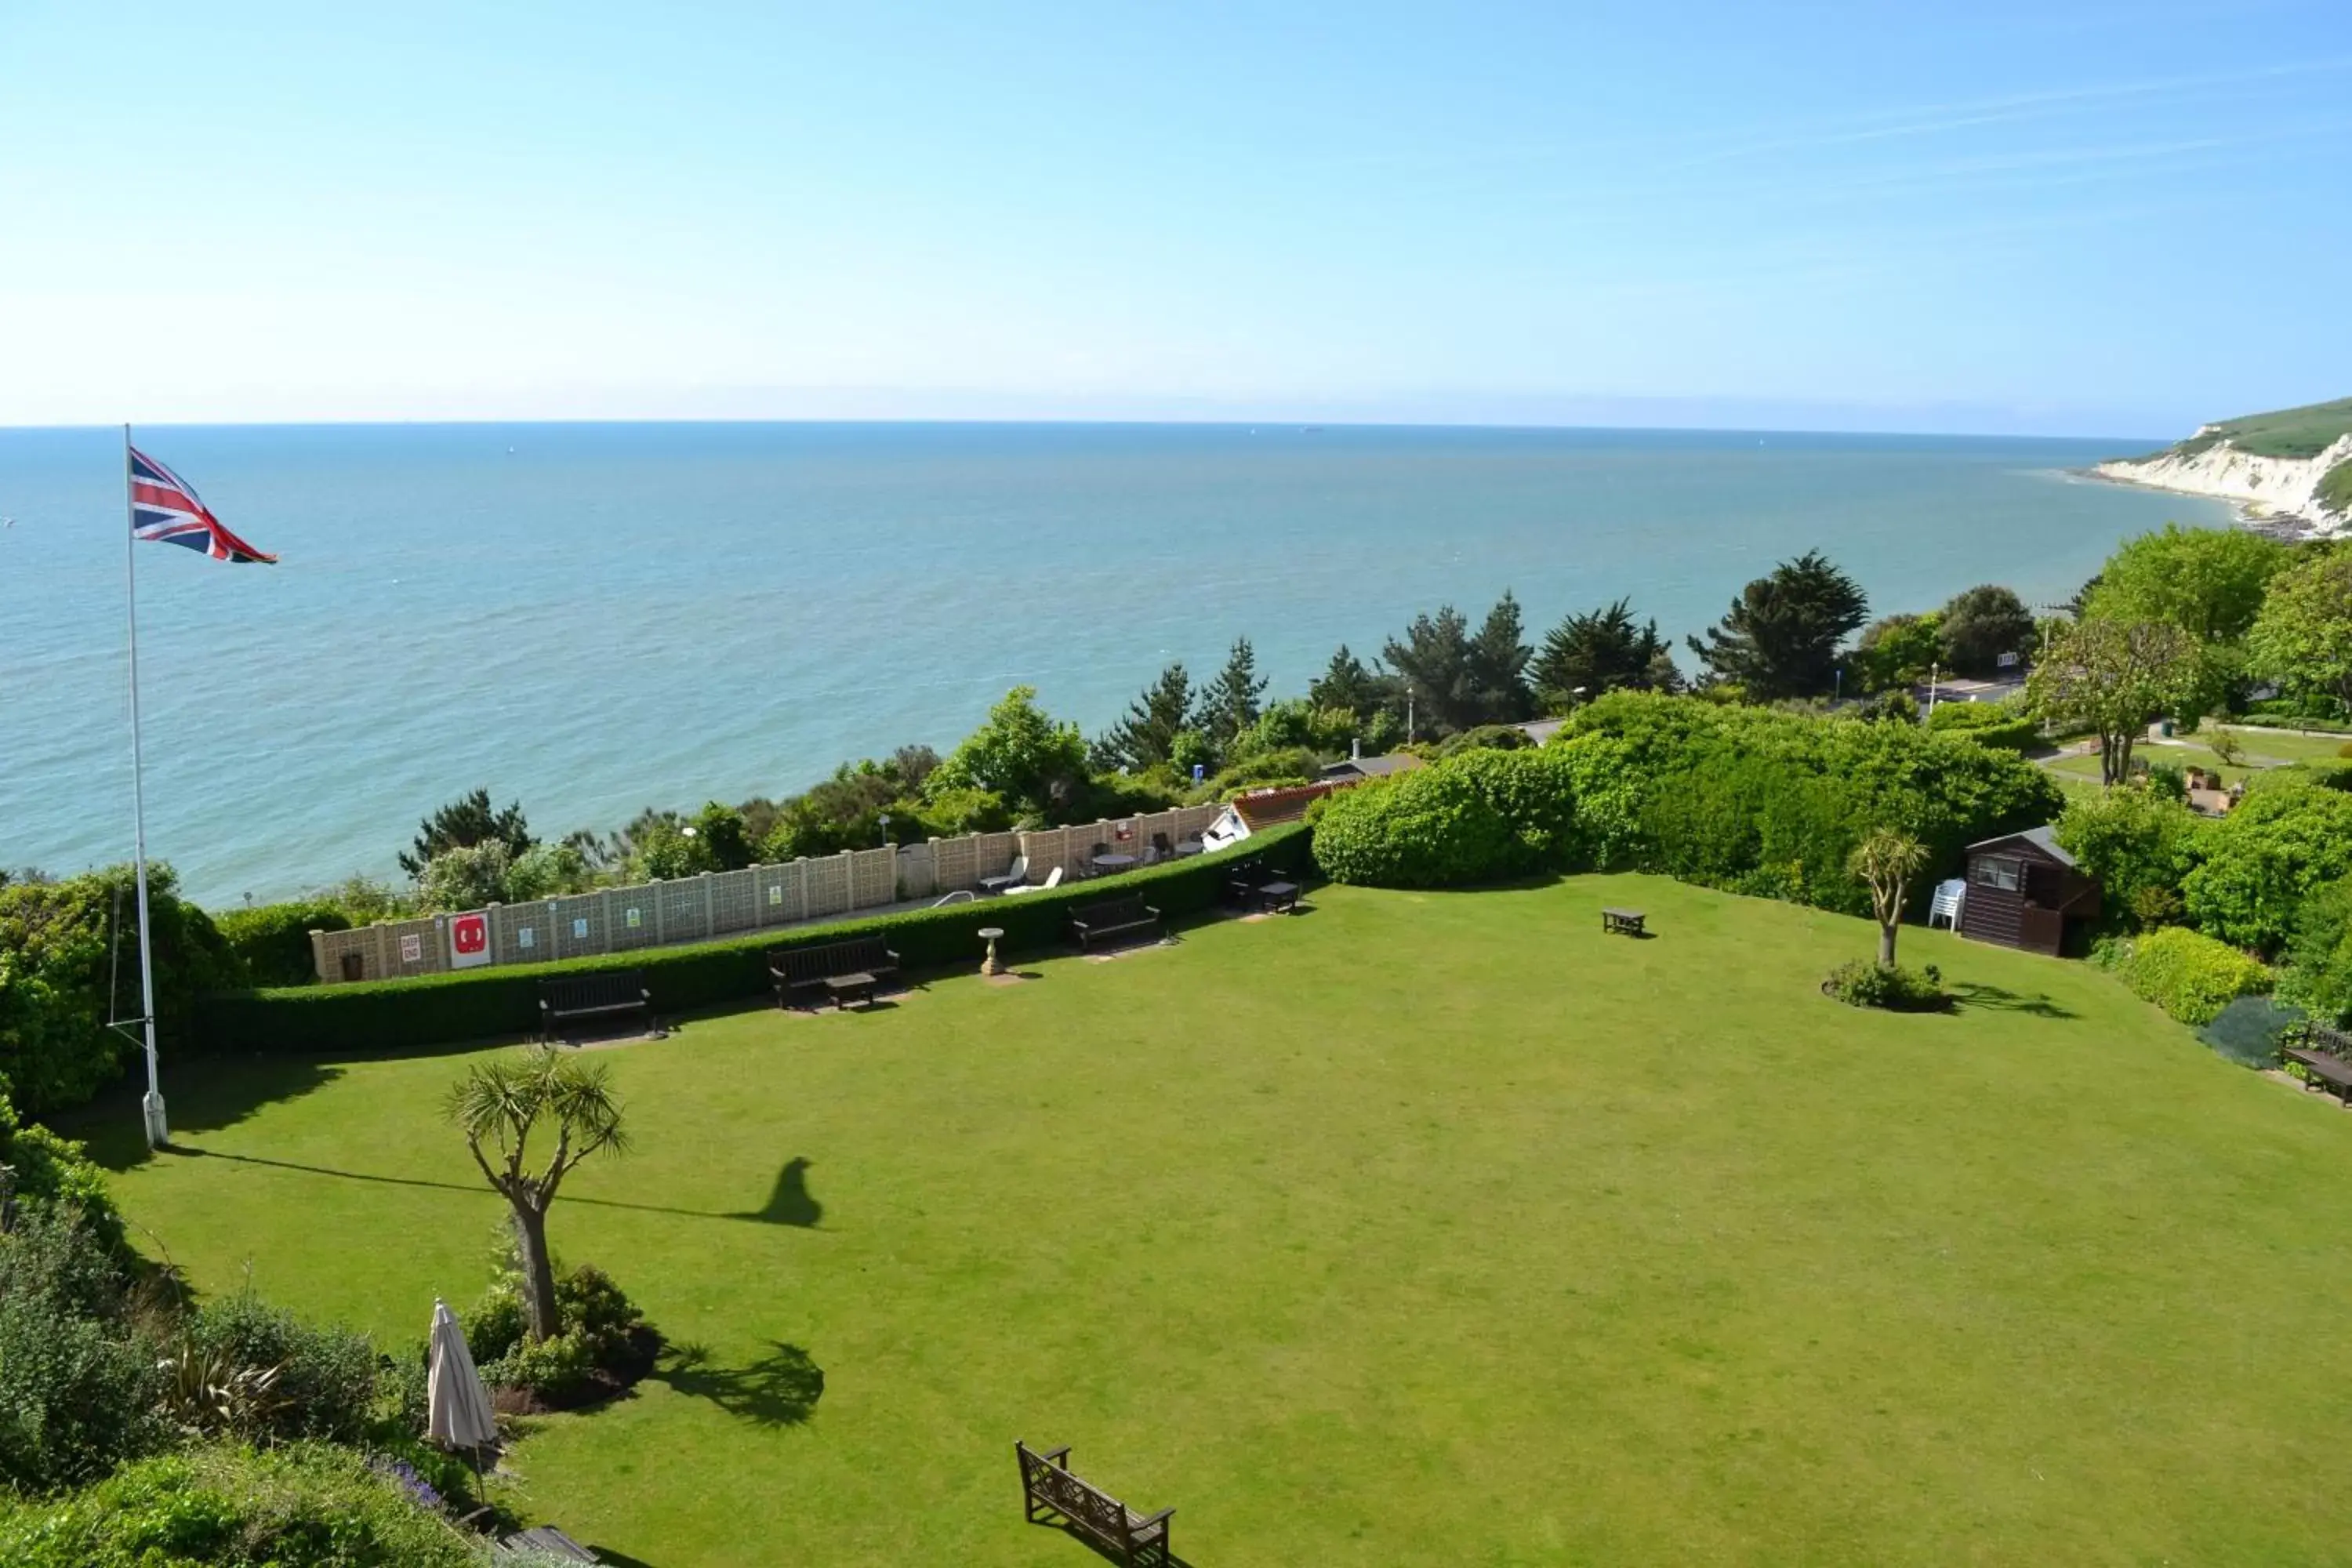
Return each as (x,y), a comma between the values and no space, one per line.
(1419,1228)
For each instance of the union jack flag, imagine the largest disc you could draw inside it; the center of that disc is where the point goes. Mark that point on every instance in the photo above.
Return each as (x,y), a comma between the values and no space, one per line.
(164,507)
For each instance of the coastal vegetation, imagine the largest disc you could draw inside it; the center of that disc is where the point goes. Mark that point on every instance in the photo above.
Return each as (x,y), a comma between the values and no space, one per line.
(2304,432)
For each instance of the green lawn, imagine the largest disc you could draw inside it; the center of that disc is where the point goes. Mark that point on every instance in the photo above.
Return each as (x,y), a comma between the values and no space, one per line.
(2263,748)
(1421,1228)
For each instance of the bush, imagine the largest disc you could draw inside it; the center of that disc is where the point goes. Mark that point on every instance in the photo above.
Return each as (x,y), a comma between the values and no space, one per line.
(2320,976)
(2189,975)
(1865,983)
(272,942)
(400,1014)
(58,946)
(1486,738)
(558,1372)
(1431,827)
(2256,864)
(58,1172)
(78,1388)
(307,1506)
(326,1377)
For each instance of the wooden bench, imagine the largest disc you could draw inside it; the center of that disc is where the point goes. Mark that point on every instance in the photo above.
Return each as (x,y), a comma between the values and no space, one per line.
(1623,922)
(1050,1494)
(805,970)
(1113,918)
(595,994)
(2334,1074)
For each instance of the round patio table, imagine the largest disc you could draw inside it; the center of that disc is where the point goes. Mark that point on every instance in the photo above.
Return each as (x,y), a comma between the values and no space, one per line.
(1113,862)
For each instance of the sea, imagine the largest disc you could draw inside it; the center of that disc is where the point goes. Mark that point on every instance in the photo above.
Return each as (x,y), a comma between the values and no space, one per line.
(593,618)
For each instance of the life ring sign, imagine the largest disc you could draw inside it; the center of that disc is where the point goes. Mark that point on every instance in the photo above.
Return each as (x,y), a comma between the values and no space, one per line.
(470,941)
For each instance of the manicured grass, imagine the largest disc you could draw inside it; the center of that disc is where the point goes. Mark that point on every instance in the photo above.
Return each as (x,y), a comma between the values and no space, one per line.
(2263,749)
(1421,1228)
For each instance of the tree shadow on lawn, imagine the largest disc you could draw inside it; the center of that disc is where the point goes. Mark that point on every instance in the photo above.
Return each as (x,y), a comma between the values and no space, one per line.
(780,1389)
(1995,999)
(791,1203)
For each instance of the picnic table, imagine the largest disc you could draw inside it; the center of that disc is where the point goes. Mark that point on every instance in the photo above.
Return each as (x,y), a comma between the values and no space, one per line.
(1278,897)
(1623,922)
(857,983)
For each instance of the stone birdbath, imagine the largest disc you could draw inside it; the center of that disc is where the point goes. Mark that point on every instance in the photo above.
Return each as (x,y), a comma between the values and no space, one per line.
(989,934)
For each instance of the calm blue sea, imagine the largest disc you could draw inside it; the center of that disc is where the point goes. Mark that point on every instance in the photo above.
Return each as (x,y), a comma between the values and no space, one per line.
(599,618)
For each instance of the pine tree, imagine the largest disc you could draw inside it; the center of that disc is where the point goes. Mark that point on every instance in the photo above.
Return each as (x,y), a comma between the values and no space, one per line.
(1779,638)
(1145,737)
(1346,683)
(1231,702)
(1498,664)
(1596,652)
(463,823)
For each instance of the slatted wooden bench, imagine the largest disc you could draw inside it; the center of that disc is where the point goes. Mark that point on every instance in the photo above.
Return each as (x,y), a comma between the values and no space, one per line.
(599,994)
(1050,1494)
(803,971)
(1112,919)
(2332,1074)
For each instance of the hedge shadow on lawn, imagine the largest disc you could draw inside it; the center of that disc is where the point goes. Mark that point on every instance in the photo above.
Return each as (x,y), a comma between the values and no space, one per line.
(204,1094)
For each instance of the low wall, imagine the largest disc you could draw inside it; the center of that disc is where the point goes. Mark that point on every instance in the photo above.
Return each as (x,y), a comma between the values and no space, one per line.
(724,903)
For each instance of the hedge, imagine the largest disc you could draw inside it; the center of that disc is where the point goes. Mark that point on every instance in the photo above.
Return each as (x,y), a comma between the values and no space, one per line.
(273,940)
(404,1015)
(2187,974)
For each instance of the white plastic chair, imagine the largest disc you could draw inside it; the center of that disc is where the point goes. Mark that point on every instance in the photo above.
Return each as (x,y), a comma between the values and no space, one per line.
(1946,904)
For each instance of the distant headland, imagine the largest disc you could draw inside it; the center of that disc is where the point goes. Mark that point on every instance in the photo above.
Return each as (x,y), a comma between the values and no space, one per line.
(2289,472)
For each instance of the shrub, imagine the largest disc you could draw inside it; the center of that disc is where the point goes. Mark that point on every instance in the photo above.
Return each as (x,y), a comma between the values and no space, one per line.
(1864,983)
(306,1506)
(2189,975)
(78,1389)
(1431,827)
(2320,977)
(58,1173)
(2255,866)
(560,1371)
(272,942)
(398,1014)
(326,1377)
(603,1332)
(1486,738)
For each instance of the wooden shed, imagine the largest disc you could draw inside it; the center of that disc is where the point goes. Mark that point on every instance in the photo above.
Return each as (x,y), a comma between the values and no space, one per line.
(2023,889)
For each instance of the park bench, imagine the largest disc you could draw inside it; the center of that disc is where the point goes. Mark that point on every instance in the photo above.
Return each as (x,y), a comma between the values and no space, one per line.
(595,994)
(1050,1494)
(1623,922)
(2333,1075)
(808,970)
(1113,918)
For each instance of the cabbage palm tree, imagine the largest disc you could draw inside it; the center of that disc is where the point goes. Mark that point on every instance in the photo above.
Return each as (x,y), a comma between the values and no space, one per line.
(498,1105)
(1888,859)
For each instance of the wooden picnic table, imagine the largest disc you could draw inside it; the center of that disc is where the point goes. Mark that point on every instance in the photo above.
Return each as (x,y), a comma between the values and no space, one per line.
(856,983)
(1626,922)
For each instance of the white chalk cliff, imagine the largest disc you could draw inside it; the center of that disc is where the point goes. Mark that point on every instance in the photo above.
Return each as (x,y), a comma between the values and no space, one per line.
(2284,490)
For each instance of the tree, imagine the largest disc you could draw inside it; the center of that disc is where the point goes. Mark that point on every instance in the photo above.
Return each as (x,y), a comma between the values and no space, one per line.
(466,877)
(1231,702)
(2209,582)
(1347,683)
(1498,664)
(461,824)
(1779,637)
(1896,652)
(1886,860)
(1145,737)
(1596,652)
(1980,625)
(1021,754)
(726,840)
(1456,680)
(2302,636)
(498,1105)
(2113,678)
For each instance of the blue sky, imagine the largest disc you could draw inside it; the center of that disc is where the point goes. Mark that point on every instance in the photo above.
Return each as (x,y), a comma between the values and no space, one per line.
(2114,219)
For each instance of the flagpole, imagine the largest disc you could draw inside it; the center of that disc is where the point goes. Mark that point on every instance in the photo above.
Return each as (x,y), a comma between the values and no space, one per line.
(158,1132)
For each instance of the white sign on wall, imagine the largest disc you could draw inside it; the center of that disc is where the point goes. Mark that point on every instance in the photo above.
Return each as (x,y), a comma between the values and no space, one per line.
(526,937)
(580,927)
(411,948)
(636,919)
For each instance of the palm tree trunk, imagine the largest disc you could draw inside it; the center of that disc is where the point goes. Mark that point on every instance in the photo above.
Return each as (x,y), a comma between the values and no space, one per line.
(537,1271)
(1887,944)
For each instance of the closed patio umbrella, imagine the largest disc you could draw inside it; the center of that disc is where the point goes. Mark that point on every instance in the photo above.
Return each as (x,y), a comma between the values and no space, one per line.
(457,1406)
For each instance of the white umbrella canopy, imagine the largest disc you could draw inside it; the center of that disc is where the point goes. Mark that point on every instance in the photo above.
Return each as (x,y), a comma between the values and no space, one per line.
(457,1406)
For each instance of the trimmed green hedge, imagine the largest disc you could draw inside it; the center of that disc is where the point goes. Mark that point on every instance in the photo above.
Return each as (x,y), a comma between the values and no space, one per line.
(404,1014)
(2187,974)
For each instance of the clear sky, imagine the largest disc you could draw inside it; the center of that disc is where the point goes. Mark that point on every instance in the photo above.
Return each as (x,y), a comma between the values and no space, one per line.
(2098,219)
